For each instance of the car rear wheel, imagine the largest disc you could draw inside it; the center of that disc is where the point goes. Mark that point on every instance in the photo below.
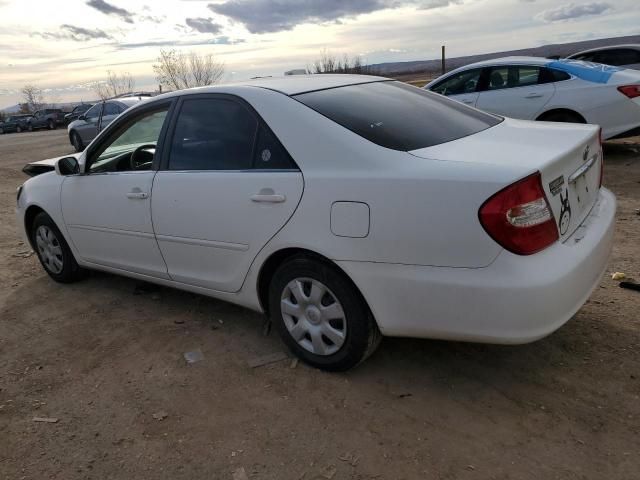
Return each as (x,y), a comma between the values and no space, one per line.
(30,128)
(76,141)
(321,316)
(1,130)
(51,125)
(18,129)
(53,251)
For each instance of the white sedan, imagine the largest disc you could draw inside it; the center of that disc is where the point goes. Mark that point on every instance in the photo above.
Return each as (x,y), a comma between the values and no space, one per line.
(532,88)
(344,207)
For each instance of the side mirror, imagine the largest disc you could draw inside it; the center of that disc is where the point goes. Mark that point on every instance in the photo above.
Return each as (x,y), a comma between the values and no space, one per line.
(67,166)
(82,117)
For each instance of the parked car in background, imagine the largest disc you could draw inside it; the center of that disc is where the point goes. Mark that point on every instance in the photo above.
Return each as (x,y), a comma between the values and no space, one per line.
(83,130)
(76,112)
(14,123)
(344,207)
(49,118)
(532,88)
(627,56)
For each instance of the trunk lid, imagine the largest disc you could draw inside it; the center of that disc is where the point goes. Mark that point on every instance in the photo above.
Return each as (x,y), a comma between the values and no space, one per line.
(568,157)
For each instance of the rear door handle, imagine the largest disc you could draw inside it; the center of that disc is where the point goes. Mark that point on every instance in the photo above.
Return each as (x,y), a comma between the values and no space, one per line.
(267,195)
(534,95)
(468,102)
(137,195)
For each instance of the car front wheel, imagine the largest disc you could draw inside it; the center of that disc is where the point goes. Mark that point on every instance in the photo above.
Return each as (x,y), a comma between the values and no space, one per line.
(320,315)
(53,251)
(76,141)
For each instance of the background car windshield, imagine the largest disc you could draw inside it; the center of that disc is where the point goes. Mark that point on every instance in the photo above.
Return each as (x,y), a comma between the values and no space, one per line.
(398,116)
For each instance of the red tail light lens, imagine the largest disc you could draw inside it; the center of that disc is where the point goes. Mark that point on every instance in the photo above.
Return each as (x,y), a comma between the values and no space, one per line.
(631,91)
(519,217)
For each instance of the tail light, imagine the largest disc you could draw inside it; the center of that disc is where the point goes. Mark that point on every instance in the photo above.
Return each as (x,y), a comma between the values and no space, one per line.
(631,91)
(519,217)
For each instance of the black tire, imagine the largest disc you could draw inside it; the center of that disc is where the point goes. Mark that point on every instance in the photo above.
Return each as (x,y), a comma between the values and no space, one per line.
(362,335)
(51,125)
(18,129)
(70,271)
(562,117)
(1,130)
(30,128)
(76,141)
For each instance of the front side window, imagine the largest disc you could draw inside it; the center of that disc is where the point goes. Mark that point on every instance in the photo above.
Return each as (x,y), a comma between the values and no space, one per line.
(213,134)
(498,78)
(398,116)
(463,82)
(132,146)
(93,114)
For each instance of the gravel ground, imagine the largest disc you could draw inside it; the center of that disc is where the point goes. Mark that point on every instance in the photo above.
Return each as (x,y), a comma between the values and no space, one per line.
(108,364)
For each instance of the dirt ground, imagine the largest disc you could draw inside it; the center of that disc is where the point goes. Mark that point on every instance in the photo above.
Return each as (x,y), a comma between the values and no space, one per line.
(108,364)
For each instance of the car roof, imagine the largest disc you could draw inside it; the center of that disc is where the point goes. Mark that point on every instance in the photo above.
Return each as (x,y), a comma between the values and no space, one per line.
(508,61)
(128,101)
(610,47)
(288,85)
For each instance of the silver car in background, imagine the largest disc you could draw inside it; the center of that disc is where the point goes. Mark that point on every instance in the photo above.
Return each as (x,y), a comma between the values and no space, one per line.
(83,130)
(627,56)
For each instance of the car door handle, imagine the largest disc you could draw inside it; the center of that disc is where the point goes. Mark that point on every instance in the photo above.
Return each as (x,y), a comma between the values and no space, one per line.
(534,95)
(267,195)
(468,102)
(137,195)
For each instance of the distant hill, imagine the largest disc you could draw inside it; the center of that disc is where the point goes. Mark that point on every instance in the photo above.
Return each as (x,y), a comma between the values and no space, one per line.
(561,49)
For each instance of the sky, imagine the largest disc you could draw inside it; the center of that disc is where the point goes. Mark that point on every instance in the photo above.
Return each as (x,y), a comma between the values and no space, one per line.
(64,46)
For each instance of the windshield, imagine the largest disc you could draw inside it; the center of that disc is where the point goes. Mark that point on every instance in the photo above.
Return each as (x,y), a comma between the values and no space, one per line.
(398,116)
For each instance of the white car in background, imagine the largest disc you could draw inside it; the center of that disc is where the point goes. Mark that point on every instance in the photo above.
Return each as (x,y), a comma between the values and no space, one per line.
(627,56)
(344,207)
(532,88)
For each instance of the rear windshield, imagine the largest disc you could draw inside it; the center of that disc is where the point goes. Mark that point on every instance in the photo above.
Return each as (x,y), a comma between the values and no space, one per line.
(398,116)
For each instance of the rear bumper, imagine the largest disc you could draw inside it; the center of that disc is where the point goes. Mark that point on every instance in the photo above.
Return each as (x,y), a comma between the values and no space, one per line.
(514,300)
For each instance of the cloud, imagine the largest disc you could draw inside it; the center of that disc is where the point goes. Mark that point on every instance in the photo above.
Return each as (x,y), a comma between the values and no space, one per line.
(571,11)
(264,16)
(109,9)
(77,34)
(203,25)
(221,40)
(152,19)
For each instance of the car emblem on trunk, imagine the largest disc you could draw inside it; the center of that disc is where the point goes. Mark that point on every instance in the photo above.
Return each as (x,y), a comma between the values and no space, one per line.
(585,155)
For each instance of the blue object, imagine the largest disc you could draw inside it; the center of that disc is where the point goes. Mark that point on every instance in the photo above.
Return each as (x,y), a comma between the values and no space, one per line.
(591,72)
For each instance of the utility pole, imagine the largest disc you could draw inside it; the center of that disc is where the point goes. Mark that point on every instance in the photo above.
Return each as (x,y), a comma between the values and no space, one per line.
(443,61)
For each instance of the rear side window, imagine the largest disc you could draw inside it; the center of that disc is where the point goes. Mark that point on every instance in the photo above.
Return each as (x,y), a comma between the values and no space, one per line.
(213,134)
(111,109)
(398,116)
(549,75)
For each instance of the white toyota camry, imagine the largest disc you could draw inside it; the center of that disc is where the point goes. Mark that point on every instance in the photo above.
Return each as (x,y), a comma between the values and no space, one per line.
(344,207)
(531,88)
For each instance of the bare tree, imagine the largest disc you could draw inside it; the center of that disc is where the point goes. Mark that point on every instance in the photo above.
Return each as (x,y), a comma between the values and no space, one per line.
(177,70)
(329,63)
(115,84)
(33,98)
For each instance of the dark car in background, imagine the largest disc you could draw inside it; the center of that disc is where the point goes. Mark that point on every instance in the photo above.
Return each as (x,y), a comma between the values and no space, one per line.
(49,118)
(76,112)
(83,130)
(14,123)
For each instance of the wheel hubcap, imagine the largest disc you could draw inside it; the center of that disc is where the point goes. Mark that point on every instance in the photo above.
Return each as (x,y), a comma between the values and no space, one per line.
(313,316)
(49,249)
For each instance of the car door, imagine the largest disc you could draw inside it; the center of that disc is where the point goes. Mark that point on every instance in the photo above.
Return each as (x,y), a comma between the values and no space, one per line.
(461,86)
(517,91)
(227,186)
(88,128)
(107,208)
